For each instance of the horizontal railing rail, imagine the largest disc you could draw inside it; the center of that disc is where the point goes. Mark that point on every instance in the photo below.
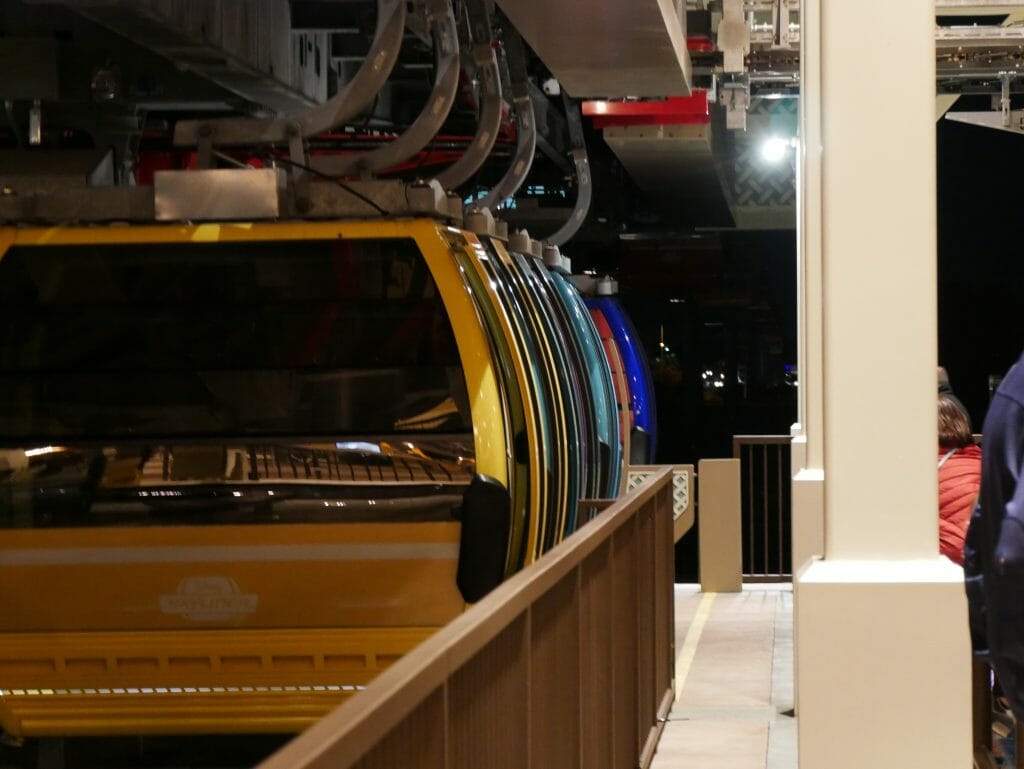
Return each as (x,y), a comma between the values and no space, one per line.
(569,663)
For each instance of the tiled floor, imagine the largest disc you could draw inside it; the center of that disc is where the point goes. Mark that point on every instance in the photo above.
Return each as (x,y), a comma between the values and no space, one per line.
(734,681)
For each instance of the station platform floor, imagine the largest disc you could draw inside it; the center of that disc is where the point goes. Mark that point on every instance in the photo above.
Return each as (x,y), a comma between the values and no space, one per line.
(734,681)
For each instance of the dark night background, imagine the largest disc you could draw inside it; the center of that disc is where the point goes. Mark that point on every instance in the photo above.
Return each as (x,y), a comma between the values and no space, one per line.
(981,265)
(726,301)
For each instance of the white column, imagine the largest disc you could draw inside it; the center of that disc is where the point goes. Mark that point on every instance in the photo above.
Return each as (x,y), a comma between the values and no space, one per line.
(807,500)
(883,661)
(879,281)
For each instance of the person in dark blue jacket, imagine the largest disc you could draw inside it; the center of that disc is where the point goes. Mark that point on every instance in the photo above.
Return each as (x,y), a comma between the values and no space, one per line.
(994,548)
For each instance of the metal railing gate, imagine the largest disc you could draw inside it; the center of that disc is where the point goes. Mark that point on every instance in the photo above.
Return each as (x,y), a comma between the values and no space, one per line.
(767,506)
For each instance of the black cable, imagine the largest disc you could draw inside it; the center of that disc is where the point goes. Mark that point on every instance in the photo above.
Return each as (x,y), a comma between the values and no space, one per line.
(330,178)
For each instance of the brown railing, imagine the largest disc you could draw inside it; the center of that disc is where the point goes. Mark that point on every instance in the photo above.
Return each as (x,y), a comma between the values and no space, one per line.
(766,503)
(569,663)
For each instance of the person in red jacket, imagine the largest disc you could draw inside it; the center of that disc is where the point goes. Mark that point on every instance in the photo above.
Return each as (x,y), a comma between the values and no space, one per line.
(959,477)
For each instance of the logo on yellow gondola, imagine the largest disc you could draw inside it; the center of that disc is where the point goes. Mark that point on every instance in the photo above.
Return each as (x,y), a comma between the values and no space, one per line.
(209,599)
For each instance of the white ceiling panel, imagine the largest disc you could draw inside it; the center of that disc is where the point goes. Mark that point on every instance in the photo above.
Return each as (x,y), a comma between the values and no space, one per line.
(608,48)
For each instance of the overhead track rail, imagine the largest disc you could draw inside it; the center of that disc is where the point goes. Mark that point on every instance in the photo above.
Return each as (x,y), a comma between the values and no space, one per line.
(160,27)
(349,102)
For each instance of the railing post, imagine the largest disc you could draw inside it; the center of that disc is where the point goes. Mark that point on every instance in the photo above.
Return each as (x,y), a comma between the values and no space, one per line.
(718,511)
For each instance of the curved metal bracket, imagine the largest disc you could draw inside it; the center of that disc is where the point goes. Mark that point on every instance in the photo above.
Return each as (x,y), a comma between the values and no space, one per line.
(584,193)
(487,129)
(584,187)
(526,126)
(486,63)
(427,123)
(353,98)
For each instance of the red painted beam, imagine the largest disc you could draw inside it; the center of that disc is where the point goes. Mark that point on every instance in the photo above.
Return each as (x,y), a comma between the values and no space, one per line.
(675,110)
(700,44)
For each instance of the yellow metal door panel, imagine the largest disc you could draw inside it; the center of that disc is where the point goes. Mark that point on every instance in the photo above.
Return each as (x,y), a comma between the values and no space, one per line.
(246,577)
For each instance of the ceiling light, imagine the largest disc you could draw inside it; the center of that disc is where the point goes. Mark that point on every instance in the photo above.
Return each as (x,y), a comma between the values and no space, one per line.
(774,148)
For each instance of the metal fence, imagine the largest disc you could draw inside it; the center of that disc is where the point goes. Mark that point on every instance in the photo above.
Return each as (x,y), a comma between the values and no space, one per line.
(767,506)
(569,663)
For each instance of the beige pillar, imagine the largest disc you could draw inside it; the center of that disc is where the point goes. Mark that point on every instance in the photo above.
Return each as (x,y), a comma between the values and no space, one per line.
(719,526)
(883,662)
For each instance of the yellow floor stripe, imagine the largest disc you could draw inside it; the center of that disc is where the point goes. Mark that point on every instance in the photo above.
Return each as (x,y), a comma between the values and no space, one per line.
(689,650)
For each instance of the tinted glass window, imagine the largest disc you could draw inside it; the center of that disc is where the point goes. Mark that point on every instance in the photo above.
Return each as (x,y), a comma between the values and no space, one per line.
(325,338)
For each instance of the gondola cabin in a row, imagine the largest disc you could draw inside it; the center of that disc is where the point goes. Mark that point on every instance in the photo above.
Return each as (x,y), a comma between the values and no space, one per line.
(244,467)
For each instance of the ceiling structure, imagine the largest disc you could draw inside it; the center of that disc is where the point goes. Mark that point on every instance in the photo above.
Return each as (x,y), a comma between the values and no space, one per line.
(666,104)
(123,76)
